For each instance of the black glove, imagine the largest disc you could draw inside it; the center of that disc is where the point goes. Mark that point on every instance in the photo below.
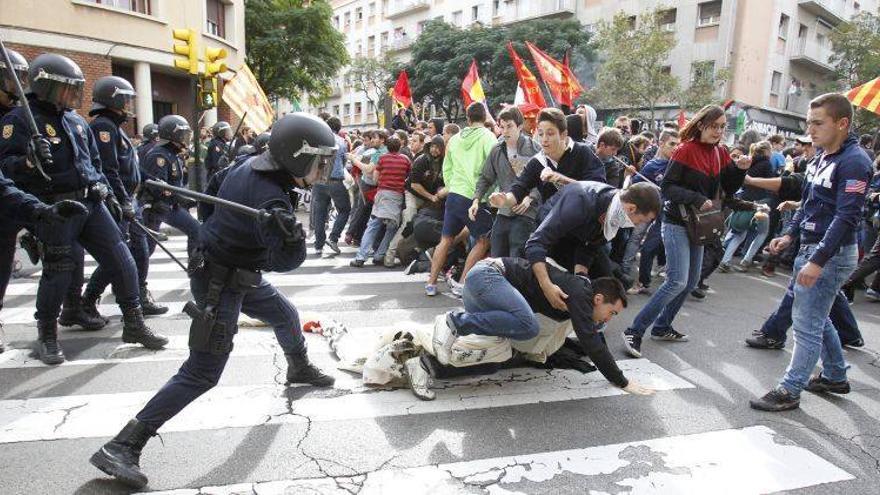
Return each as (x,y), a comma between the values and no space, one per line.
(39,151)
(285,223)
(99,191)
(187,203)
(114,208)
(128,211)
(59,212)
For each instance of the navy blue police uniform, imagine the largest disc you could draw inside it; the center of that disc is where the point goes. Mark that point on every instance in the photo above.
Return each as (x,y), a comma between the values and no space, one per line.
(216,156)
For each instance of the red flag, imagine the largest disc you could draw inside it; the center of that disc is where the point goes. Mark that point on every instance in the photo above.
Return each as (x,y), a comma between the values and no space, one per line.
(402,94)
(682,120)
(563,86)
(471,87)
(572,88)
(527,81)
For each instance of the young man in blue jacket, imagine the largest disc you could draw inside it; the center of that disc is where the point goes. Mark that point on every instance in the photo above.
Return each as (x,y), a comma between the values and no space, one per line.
(826,222)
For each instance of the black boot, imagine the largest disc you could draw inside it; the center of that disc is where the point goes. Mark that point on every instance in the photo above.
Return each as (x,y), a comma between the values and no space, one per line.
(90,306)
(301,370)
(149,306)
(121,456)
(48,350)
(73,314)
(135,331)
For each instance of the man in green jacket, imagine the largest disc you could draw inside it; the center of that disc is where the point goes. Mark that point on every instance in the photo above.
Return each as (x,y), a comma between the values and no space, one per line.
(465,155)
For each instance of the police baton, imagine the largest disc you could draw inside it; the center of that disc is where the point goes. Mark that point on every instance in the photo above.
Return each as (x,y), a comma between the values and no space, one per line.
(261,215)
(35,132)
(229,149)
(152,235)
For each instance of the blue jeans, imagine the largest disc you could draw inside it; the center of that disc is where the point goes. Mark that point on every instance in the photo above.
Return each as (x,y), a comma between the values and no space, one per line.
(814,335)
(652,247)
(683,263)
(509,235)
(633,245)
(841,315)
(734,239)
(493,306)
(322,194)
(373,228)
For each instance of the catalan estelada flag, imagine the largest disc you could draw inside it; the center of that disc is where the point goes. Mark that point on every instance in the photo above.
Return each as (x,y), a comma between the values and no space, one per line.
(866,96)
(471,87)
(243,94)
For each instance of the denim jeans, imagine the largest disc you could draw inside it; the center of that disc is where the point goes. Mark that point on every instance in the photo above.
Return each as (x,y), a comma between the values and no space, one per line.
(734,239)
(652,248)
(374,227)
(841,315)
(509,235)
(683,263)
(493,306)
(632,247)
(814,335)
(322,194)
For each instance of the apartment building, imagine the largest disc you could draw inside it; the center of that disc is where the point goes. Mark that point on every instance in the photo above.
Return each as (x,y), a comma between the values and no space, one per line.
(130,39)
(777,50)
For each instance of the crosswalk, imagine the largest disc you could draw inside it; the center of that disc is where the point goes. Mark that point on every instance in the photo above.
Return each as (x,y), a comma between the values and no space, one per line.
(522,415)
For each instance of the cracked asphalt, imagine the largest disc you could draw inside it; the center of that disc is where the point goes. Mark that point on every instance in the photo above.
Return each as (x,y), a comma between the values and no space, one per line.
(840,429)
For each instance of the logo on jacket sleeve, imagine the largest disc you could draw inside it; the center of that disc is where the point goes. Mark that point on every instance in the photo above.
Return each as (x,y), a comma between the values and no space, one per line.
(160,161)
(855,186)
(51,130)
(7,131)
(104,136)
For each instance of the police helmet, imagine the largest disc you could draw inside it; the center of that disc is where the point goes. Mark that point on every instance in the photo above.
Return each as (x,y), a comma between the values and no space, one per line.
(57,79)
(150,132)
(175,129)
(261,142)
(20,67)
(301,144)
(222,129)
(113,92)
(247,149)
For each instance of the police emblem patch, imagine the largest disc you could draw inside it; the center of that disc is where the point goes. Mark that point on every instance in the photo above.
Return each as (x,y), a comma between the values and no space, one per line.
(104,136)
(7,131)
(50,130)
(160,161)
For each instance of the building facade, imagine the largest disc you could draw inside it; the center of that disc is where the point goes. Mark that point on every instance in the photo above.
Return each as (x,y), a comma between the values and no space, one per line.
(131,39)
(777,51)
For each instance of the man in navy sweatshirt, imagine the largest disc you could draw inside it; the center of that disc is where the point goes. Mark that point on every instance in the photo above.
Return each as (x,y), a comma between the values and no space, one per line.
(826,222)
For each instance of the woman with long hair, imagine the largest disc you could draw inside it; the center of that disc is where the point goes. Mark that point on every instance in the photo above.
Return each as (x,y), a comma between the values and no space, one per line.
(700,168)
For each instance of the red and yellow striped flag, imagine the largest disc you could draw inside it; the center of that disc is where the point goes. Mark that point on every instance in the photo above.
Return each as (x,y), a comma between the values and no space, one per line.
(243,94)
(866,96)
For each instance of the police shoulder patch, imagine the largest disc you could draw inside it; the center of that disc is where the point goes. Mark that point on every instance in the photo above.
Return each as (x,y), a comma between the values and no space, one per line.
(50,130)
(7,131)
(104,136)
(160,161)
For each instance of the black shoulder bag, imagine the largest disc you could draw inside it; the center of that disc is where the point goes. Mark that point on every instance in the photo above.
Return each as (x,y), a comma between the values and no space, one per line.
(704,227)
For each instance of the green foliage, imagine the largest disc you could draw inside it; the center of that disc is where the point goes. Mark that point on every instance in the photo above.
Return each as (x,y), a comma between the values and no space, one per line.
(634,71)
(705,83)
(856,58)
(373,77)
(293,48)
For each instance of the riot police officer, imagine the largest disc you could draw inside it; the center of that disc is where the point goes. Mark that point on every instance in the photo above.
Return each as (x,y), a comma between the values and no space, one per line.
(164,162)
(244,154)
(112,98)
(150,132)
(236,250)
(67,148)
(218,148)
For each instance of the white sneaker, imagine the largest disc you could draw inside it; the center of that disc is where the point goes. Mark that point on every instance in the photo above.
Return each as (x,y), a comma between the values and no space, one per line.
(419,379)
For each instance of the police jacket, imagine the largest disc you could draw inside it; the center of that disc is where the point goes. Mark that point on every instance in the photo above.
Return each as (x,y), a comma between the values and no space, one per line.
(235,240)
(119,159)
(76,161)
(15,204)
(832,200)
(217,149)
(575,215)
(206,209)
(4,110)
(143,149)
(578,162)
(162,163)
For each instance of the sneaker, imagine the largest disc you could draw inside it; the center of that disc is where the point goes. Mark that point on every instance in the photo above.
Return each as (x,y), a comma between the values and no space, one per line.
(768,271)
(633,345)
(849,292)
(821,385)
(670,336)
(639,289)
(702,286)
(334,246)
(349,239)
(757,332)
(390,265)
(776,400)
(419,379)
(724,268)
(378,261)
(431,290)
(456,290)
(872,295)
(743,266)
(761,341)
(411,268)
(698,293)
(356,263)
(854,343)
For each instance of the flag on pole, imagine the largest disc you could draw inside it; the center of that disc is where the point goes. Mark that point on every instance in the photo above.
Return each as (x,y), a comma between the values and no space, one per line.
(243,94)
(866,96)
(402,93)
(471,87)
(572,88)
(563,85)
(682,120)
(528,83)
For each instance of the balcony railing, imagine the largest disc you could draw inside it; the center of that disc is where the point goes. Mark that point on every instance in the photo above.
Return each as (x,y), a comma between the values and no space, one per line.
(402,43)
(812,55)
(405,7)
(511,12)
(832,11)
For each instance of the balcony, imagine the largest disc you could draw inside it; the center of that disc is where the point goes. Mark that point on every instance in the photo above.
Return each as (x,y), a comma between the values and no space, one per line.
(405,7)
(830,10)
(401,44)
(512,13)
(798,103)
(812,56)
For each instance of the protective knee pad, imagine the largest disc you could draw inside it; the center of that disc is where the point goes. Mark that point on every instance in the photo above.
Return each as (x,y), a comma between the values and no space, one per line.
(58,258)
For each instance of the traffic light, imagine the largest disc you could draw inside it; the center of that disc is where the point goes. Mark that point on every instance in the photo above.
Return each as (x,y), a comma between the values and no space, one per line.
(214,63)
(207,93)
(188,49)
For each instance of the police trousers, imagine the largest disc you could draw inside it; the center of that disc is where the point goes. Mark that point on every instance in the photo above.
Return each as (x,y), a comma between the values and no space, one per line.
(140,252)
(202,370)
(176,217)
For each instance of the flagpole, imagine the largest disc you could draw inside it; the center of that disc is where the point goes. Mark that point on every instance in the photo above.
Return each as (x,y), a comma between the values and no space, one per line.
(549,93)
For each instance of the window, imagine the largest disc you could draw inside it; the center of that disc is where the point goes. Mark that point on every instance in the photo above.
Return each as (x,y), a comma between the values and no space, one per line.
(783,26)
(336,22)
(496,8)
(666,19)
(383,41)
(710,13)
(775,83)
(336,110)
(631,21)
(371,45)
(456,18)
(347,109)
(347,18)
(358,108)
(139,6)
(359,14)
(371,9)
(215,18)
(821,40)
(475,13)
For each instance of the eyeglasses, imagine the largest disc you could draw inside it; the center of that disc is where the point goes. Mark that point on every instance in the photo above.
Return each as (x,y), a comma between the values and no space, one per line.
(717,127)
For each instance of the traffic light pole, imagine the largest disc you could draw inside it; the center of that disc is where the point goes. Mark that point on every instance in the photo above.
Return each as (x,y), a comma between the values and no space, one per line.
(196,175)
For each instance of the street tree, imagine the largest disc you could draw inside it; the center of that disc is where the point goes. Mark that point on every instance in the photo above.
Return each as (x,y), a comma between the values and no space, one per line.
(293,48)
(634,62)
(706,81)
(856,58)
(373,77)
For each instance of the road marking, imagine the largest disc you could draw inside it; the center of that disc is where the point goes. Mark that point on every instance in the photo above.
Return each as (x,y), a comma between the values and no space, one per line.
(746,461)
(102,415)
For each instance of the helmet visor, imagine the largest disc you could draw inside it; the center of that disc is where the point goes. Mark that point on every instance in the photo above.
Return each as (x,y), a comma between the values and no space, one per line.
(66,92)
(125,99)
(183,135)
(7,84)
